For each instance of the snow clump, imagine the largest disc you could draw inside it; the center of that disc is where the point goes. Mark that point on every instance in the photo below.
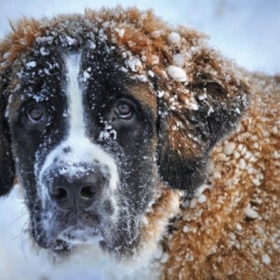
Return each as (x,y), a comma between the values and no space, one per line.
(266,259)
(176,73)
(31,64)
(173,38)
(179,60)
(134,64)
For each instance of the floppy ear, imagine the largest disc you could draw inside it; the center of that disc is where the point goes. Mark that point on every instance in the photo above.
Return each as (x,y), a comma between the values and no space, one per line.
(195,121)
(7,168)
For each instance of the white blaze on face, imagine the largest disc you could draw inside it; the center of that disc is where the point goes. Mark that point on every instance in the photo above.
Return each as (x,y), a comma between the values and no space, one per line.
(80,148)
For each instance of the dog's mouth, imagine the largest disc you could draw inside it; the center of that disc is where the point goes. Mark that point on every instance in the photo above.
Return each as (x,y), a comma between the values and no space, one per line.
(73,236)
(63,231)
(79,235)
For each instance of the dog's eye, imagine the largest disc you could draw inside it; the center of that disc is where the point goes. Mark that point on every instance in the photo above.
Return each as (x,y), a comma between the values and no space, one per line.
(124,111)
(35,114)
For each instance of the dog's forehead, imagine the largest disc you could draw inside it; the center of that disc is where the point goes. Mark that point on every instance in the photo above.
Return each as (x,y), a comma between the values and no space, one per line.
(144,48)
(44,72)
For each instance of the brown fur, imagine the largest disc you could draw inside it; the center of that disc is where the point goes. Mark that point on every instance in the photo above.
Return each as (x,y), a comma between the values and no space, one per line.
(222,240)
(230,228)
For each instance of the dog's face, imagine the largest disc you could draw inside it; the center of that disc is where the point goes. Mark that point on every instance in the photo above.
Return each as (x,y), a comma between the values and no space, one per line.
(86,146)
(91,140)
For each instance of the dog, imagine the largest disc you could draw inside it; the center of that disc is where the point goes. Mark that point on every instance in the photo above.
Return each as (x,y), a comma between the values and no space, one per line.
(137,138)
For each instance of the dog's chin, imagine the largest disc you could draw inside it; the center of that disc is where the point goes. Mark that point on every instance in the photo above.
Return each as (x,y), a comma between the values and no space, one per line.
(72,237)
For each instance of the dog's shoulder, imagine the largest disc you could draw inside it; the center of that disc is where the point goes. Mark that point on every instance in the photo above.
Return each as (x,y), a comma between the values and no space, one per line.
(231,226)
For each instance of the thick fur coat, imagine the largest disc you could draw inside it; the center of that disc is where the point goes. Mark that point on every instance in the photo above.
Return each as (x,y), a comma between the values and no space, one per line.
(210,138)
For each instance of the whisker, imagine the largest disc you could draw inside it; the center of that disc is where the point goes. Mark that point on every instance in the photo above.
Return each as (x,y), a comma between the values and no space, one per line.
(24,238)
(23,212)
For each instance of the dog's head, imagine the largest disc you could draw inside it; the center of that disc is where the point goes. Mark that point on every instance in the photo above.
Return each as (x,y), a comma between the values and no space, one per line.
(100,113)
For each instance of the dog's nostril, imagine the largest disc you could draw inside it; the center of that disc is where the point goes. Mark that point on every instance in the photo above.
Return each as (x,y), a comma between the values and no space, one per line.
(60,193)
(87,192)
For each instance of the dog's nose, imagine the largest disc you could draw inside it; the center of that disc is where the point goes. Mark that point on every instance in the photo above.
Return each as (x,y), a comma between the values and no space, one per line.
(75,193)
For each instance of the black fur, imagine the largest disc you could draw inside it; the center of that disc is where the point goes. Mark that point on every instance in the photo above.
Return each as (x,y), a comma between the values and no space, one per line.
(7,168)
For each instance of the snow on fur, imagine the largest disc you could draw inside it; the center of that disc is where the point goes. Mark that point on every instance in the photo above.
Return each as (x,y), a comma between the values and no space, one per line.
(228,226)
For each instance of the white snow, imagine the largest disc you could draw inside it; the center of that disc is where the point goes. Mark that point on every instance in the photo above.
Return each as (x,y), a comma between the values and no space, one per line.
(229,148)
(43,51)
(108,133)
(86,74)
(179,60)
(70,41)
(186,229)
(173,38)
(251,213)
(242,164)
(266,259)
(201,198)
(202,96)
(120,31)
(142,78)
(6,55)
(164,258)
(159,253)
(193,106)
(156,34)
(239,227)
(151,73)
(176,73)
(160,94)
(31,64)
(92,45)
(47,39)
(133,63)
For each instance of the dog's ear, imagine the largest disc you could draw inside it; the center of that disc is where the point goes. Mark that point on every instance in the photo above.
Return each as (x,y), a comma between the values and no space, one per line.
(192,120)
(7,167)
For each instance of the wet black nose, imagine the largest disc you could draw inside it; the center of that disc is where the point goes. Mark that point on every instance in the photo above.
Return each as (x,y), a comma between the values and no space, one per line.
(71,193)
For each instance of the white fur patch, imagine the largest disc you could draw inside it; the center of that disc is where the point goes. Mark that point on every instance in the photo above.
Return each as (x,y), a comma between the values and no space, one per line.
(81,149)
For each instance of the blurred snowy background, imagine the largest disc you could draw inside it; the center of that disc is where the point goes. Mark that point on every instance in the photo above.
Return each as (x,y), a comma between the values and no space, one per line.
(246,31)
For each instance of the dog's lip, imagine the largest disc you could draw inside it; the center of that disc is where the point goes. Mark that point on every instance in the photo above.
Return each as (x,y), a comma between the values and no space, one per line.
(76,235)
(73,236)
